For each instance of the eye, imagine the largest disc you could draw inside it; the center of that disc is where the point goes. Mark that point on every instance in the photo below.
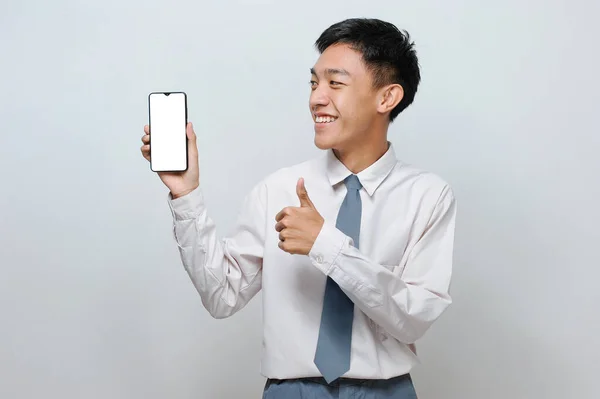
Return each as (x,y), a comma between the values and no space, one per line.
(313,84)
(334,83)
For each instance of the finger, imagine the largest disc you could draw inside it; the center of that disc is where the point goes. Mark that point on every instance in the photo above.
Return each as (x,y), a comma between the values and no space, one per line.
(146,151)
(147,129)
(146,139)
(283,213)
(281,237)
(303,194)
(281,225)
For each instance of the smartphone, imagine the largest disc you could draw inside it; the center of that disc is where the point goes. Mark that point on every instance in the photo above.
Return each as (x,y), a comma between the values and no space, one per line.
(168,138)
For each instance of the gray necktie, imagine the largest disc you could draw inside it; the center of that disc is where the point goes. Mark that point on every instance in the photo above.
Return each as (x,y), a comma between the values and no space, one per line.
(332,357)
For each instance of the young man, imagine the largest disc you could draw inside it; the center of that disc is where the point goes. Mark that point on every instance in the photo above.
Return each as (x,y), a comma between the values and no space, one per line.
(352,250)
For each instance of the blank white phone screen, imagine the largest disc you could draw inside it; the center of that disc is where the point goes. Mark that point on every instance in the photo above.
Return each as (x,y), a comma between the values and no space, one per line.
(168,140)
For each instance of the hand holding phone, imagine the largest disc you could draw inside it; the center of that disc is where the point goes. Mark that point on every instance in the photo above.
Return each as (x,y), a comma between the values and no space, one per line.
(169,143)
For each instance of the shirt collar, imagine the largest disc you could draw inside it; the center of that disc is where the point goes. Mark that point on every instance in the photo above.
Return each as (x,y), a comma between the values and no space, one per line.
(370,178)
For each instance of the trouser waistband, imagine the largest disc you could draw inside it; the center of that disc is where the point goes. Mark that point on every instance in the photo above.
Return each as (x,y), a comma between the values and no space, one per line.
(342,380)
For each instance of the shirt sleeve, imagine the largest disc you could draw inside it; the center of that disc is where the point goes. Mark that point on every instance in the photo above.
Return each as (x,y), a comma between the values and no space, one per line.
(226,271)
(404,301)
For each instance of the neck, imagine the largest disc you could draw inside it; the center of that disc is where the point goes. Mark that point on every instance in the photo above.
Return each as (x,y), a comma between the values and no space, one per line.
(363,155)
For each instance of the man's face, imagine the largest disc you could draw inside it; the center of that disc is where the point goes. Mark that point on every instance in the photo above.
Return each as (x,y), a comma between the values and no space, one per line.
(342,102)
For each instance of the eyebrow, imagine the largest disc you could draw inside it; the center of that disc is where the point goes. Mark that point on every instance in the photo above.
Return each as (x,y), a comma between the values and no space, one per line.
(332,71)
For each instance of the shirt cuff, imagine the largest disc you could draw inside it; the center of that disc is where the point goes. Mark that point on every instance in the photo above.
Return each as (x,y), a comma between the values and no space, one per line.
(187,207)
(327,247)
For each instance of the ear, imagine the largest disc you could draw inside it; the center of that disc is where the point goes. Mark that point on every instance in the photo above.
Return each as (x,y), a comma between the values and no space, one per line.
(389,97)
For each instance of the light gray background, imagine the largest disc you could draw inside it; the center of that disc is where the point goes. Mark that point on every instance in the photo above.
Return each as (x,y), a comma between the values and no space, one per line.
(94,302)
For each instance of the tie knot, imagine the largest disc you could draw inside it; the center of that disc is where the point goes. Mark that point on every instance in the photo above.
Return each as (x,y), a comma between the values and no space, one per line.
(352,182)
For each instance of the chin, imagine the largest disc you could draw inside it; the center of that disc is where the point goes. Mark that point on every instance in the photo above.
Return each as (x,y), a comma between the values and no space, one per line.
(327,138)
(323,143)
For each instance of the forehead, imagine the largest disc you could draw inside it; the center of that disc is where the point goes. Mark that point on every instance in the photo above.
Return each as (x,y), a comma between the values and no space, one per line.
(340,57)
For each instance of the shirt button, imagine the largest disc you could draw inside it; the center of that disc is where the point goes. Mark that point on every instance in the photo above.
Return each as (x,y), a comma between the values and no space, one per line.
(319,258)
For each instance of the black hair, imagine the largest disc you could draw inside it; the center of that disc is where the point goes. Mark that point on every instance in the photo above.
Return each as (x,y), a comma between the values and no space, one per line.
(387,52)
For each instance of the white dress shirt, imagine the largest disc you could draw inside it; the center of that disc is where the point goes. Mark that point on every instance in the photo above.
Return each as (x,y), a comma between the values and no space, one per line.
(398,280)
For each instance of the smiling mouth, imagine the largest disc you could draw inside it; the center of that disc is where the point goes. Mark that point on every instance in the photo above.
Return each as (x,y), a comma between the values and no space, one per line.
(325,119)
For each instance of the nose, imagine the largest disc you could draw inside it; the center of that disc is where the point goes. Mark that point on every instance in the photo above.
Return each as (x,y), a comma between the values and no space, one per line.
(318,98)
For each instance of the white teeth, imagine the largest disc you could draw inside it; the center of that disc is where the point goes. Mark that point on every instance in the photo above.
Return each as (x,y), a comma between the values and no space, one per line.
(324,119)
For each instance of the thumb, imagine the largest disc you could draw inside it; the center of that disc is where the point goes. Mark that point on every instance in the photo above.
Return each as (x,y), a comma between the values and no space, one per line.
(303,195)
(191,135)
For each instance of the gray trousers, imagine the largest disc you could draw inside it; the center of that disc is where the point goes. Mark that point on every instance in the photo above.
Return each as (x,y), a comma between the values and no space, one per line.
(316,388)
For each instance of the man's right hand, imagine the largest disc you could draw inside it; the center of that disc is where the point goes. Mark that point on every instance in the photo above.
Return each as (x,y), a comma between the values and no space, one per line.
(179,183)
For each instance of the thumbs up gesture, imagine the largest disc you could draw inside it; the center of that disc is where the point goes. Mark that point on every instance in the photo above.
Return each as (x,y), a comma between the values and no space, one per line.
(299,227)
